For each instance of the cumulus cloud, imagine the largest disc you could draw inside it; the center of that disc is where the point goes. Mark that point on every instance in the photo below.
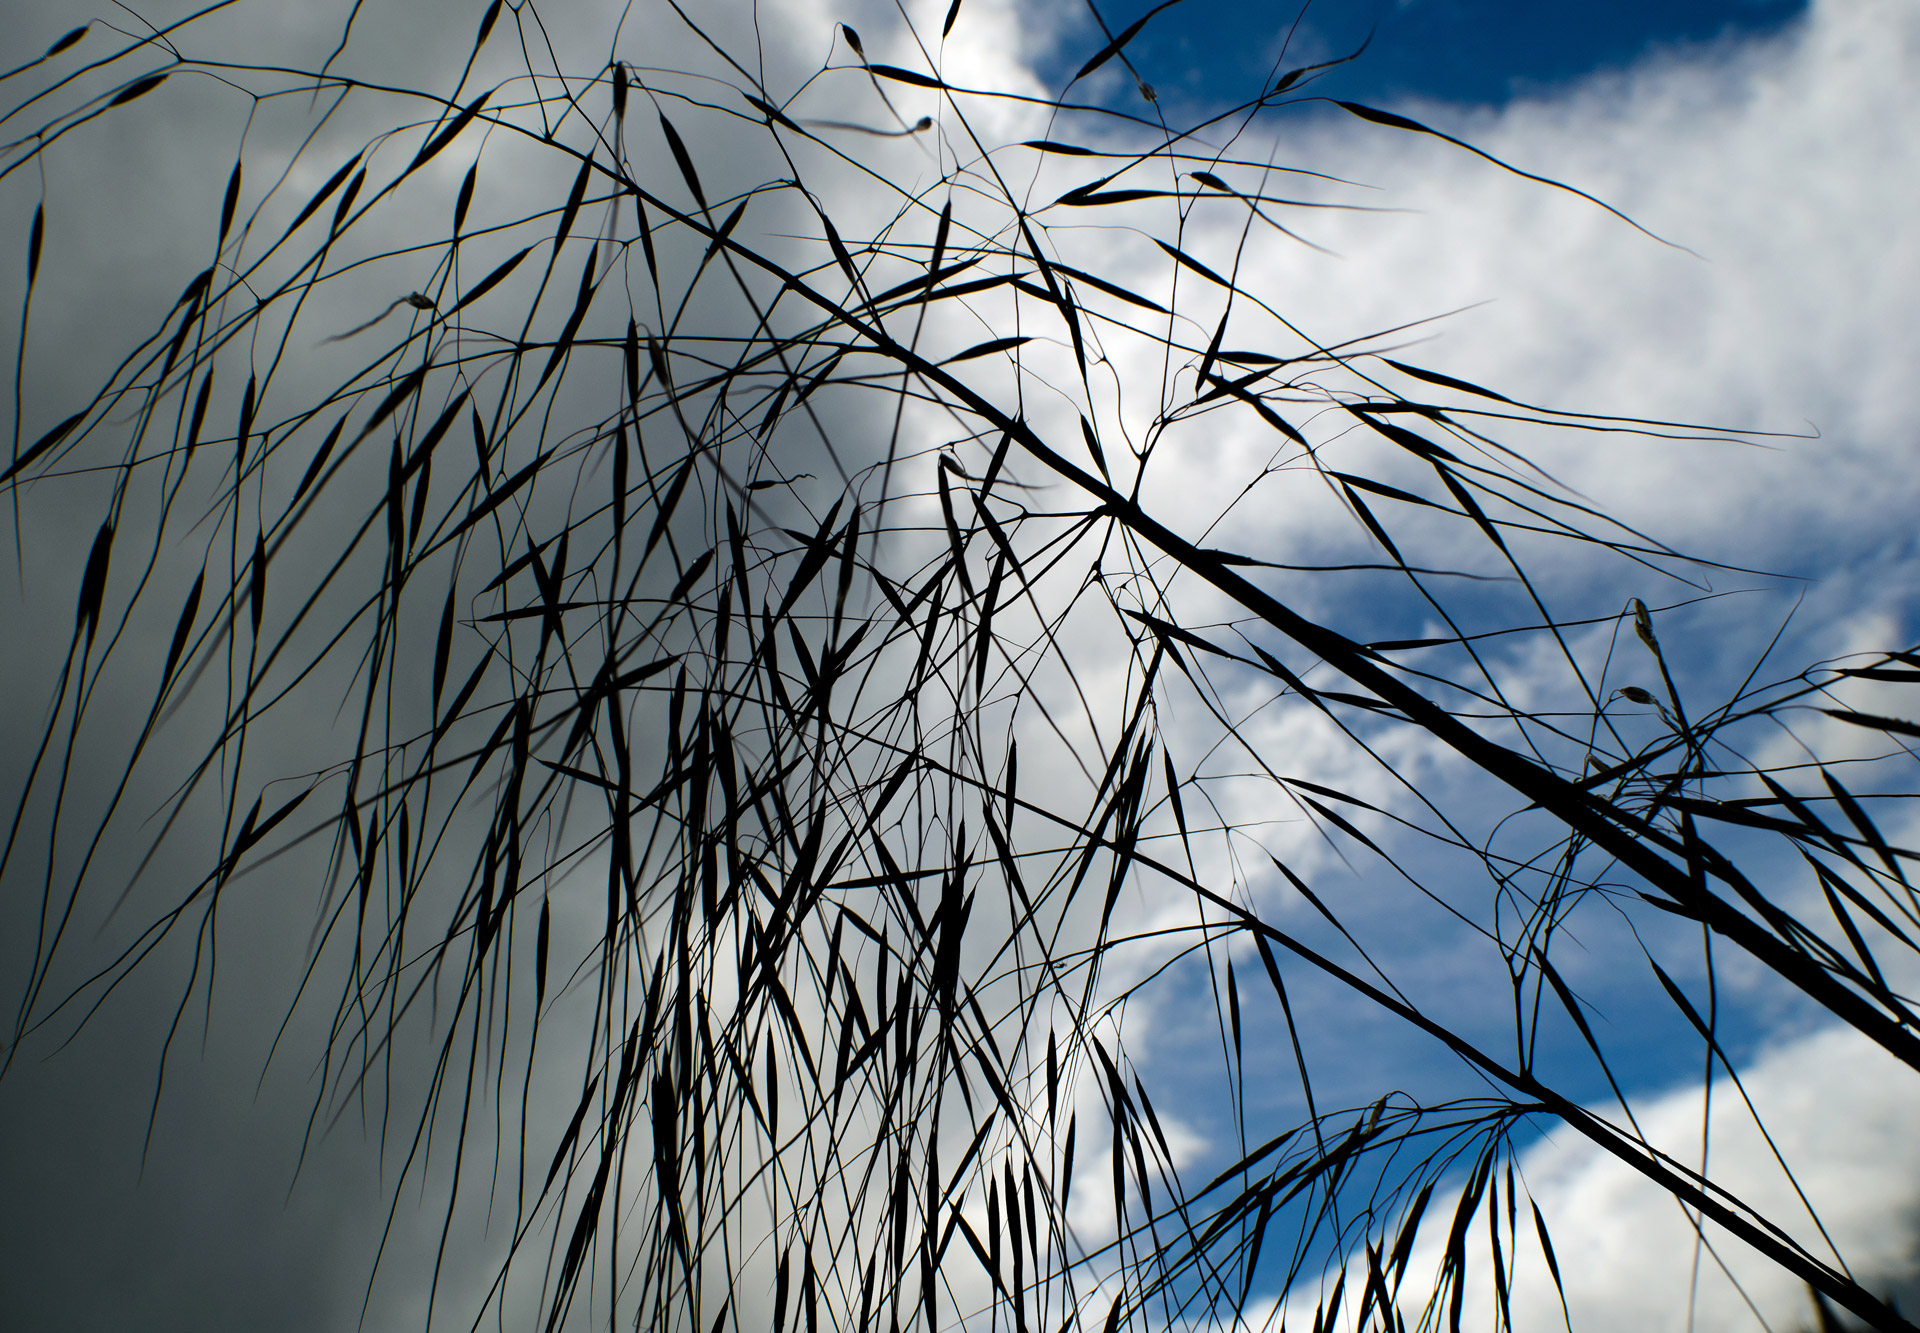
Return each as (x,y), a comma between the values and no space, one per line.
(1629,1256)
(1780,164)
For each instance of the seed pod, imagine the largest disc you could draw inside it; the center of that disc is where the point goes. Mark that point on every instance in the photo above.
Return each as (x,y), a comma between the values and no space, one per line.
(1643,624)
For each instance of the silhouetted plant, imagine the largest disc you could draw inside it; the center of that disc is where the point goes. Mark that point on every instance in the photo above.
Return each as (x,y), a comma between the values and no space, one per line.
(753,606)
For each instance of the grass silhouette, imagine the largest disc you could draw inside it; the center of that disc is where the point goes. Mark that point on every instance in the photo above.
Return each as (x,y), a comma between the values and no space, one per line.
(714,641)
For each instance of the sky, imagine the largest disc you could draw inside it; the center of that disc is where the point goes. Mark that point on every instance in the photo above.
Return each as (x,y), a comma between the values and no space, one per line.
(1766,145)
(1490,51)
(1468,52)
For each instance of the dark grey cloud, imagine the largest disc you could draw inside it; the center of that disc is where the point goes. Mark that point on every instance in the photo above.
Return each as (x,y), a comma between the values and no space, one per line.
(207,1227)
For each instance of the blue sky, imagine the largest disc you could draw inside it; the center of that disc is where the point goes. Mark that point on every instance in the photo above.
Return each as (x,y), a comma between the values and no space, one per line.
(1465,51)
(1732,129)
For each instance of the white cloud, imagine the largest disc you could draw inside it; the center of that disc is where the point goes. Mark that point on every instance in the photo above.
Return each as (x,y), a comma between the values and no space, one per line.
(1782,161)
(1785,163)
(1627,1253)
